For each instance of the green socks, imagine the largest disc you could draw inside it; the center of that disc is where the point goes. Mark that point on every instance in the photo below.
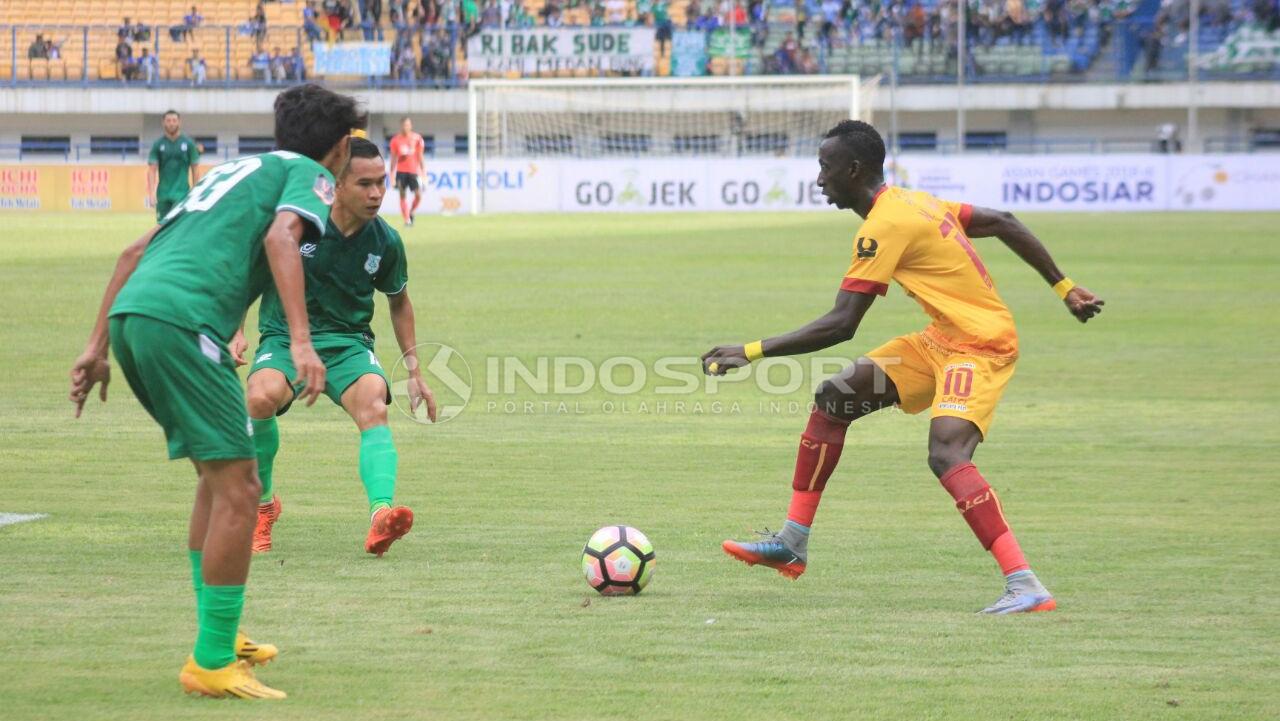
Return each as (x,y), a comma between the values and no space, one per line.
(266,442)
(197,576)
(218,612)
(378,460)
(220,608)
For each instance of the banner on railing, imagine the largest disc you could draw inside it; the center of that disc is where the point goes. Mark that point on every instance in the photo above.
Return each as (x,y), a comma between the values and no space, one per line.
(735,44)
(688,53)
(536,50)
(355,58)
(1248,44)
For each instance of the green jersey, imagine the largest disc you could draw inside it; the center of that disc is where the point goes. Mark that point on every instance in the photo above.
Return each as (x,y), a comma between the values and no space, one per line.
(173,159)
(342,273)
(206,263)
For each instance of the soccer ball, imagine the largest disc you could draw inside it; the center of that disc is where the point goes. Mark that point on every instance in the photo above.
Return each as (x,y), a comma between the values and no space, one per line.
(618,561)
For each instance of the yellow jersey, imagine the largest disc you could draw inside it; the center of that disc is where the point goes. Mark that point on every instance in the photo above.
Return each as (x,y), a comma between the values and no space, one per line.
(919,241)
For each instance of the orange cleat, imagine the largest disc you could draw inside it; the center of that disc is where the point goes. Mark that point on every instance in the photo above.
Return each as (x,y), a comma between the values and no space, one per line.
(771,552)
(268,513)
(387,527)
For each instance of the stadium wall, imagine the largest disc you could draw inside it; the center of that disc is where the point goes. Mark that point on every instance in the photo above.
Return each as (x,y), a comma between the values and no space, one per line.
(1061,117)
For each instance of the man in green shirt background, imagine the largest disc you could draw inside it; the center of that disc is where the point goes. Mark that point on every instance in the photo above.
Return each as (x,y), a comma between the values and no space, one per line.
(173,166)
(358,254)
(176,298)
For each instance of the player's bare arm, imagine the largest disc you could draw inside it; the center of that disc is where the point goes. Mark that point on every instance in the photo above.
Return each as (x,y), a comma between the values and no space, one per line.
(92,367)
(402,322)
(153,181)
(834,327)
(986,223)
(281,245)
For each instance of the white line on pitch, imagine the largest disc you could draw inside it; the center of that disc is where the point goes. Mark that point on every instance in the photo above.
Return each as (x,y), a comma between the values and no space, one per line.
(8,519)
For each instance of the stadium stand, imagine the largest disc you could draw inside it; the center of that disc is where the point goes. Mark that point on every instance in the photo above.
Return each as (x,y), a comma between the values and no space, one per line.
(246,42)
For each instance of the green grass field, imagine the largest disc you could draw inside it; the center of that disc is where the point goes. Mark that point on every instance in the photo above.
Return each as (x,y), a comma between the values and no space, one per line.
(1135,457)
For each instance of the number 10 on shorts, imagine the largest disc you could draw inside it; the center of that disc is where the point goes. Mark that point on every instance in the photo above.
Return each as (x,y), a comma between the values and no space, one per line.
(958,381)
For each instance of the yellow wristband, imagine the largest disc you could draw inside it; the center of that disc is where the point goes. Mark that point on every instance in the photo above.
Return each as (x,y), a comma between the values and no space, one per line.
(754,350)
(1063,287)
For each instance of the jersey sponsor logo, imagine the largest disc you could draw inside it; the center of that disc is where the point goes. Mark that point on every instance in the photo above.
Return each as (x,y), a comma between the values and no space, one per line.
(371,263)
(953,407)
(308,250)
(184,147)
(248,426)
(323,190)
(373,360)
(262,358)
(867,247)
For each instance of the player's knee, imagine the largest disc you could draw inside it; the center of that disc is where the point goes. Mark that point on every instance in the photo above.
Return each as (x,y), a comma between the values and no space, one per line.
(373,414)
(261,403)
(944,457)
(835,400)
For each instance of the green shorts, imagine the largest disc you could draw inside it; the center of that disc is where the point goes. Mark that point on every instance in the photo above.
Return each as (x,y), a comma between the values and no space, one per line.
(187,381)
(346,358)
(164,205)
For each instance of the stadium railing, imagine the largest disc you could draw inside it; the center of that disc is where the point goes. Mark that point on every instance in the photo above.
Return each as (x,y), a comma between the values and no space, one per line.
(135,151)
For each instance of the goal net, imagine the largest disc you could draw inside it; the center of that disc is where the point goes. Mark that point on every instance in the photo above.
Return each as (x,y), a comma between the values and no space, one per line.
(655,118)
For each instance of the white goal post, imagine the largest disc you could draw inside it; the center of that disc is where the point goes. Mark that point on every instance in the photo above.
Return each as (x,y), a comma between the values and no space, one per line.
(686,119)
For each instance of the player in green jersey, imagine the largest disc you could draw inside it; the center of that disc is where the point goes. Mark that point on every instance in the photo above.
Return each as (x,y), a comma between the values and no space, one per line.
(172,167)
(176,298)
(358,254)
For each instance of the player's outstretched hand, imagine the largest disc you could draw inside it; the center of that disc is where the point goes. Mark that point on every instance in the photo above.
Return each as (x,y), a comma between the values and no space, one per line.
(311,374)
(1083,304)
(419,391)
(723,358)
(89,369)
(237,347)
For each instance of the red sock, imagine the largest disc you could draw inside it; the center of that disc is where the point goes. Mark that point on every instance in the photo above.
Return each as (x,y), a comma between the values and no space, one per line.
(820,448)
(416,199)
(1009,554)
(404,209)
(977,502)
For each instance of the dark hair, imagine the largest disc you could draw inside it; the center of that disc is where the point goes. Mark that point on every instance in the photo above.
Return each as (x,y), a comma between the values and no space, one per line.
(361,148)
(170,111)
(861,140)
(404,119)
(311,120)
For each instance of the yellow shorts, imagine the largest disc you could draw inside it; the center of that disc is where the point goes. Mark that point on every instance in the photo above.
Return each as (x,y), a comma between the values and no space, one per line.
(928,375)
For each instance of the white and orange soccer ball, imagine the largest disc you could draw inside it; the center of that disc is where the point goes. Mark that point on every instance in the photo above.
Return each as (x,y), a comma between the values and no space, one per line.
(618,561)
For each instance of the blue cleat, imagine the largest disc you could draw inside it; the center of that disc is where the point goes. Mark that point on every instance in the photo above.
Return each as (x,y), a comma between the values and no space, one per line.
(770,551)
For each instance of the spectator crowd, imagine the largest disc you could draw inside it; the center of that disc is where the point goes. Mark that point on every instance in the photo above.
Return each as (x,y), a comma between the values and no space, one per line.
(788,36)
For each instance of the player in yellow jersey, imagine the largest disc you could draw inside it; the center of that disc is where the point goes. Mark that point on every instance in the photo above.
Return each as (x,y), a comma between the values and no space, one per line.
(957,367)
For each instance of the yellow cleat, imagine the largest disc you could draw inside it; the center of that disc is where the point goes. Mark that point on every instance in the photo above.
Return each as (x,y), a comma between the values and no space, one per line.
(235,680)
(257,654)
